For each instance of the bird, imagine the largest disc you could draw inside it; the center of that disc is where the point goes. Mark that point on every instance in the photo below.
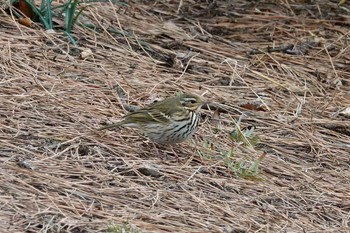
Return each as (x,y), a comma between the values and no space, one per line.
(168,121)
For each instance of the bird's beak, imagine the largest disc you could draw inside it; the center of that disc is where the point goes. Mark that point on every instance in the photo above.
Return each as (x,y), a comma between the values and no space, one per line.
(204,103)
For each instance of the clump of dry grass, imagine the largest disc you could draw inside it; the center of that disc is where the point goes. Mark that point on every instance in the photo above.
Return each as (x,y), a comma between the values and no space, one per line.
(59,175)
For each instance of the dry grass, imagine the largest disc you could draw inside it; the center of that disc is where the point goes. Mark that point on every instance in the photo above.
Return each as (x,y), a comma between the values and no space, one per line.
(58,175)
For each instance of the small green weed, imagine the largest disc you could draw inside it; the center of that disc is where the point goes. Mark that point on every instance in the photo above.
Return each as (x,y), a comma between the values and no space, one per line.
(69,10)
(122,228)
(244,136)
(245,169)
(248,170)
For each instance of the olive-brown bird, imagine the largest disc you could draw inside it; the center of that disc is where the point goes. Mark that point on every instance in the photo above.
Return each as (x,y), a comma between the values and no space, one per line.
(169,121)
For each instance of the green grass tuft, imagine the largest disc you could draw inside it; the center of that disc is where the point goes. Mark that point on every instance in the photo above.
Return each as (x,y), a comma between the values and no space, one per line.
(238,137)
(122,228)
(69,10)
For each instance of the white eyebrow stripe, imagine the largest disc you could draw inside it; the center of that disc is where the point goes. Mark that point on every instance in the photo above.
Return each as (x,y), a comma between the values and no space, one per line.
(190,98)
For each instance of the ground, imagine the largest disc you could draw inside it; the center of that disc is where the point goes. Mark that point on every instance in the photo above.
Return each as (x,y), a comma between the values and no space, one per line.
(277,71)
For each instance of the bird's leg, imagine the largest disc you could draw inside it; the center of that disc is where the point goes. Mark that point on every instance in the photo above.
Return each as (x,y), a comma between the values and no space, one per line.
(176,155)
(157,150)
(164,148)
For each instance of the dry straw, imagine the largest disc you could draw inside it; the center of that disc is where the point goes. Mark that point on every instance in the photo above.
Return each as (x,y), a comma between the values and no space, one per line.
(59,175)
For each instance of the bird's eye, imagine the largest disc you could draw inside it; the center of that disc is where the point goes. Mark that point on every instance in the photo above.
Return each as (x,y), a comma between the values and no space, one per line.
(193,101)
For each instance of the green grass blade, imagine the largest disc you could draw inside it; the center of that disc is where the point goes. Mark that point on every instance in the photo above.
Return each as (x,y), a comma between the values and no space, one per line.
(49,13)
(42,6)
(70,11)
(76,17)
(38,13)
(68,19)
(71,38)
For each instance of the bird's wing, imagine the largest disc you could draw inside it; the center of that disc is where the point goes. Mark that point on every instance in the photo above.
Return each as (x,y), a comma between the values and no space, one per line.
(159,116)
(146,115)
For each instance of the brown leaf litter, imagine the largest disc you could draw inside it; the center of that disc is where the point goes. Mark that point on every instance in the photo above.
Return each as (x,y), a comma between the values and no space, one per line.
(59,175)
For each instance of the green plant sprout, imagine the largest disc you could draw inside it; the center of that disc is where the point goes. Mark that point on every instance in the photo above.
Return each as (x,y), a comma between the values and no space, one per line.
(122,228)
(238,137)
(69,10)
(243,136)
